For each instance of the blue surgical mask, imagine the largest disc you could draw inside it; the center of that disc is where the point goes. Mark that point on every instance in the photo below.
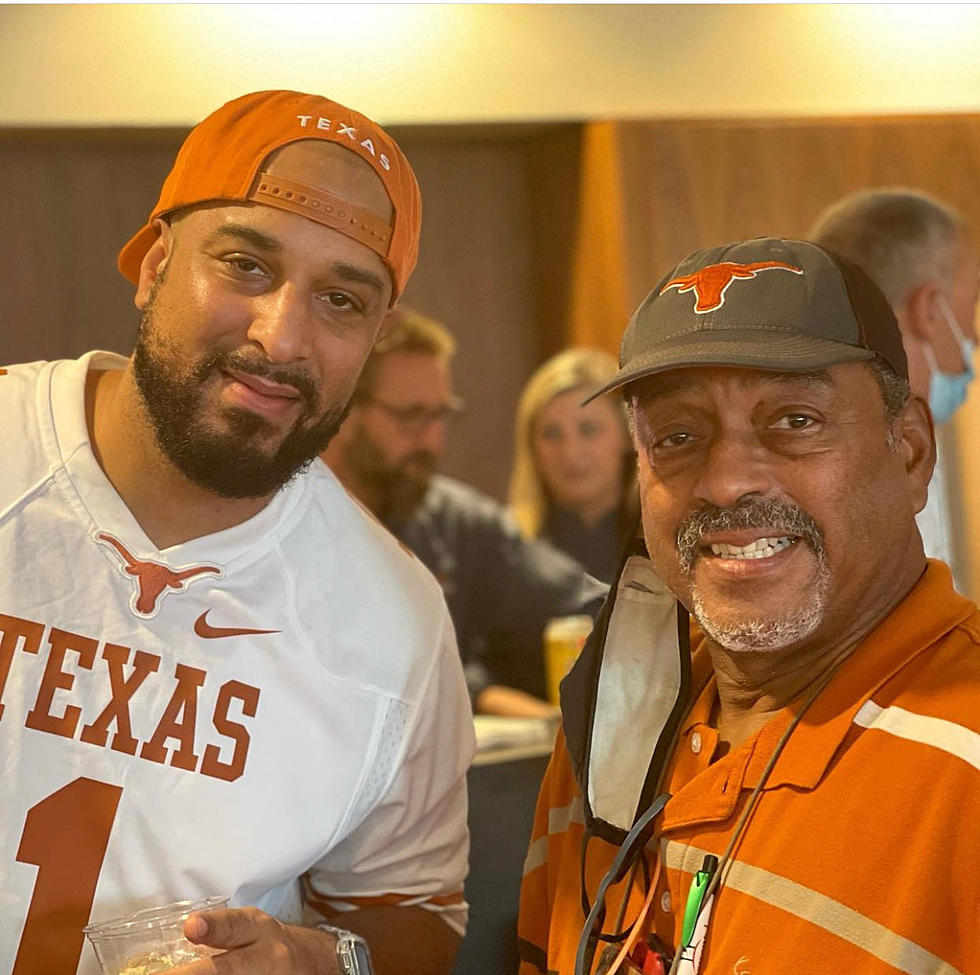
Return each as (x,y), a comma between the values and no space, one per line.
(947,391)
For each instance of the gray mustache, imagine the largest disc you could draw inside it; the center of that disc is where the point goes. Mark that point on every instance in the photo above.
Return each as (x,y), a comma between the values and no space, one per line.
(783,517)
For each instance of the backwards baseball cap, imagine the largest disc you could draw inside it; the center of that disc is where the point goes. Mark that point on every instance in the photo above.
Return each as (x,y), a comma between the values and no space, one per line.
(784,305)
(222,158)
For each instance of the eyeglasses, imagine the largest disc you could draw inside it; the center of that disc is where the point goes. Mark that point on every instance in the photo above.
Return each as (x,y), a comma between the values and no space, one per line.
(415,418)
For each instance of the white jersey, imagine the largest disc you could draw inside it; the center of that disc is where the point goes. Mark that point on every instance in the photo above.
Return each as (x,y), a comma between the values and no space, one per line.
(279,699)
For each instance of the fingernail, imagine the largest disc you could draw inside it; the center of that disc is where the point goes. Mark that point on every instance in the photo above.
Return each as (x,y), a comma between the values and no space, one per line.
(195,927)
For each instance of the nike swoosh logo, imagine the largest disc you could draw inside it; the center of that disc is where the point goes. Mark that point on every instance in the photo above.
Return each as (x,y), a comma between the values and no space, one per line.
(204,629)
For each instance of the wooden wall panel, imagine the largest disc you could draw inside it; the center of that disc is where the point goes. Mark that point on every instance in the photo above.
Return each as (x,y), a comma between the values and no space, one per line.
(69,202)
(694,184)
(475,274)
(554,171)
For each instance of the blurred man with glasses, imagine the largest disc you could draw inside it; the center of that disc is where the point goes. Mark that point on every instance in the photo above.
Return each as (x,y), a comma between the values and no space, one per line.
(501,590)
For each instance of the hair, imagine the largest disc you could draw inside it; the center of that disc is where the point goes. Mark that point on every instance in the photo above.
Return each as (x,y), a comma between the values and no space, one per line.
(407,331)
(576,368)
(899,237)
(895,391)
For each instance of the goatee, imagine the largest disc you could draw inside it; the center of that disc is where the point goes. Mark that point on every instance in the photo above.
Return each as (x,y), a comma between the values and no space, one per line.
(775,517)
(229,462)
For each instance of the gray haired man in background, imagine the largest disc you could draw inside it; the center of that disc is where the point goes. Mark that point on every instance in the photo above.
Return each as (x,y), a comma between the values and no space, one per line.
(919,251)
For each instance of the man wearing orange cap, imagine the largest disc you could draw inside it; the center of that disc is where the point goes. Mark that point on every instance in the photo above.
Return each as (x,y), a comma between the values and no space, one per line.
(218,675)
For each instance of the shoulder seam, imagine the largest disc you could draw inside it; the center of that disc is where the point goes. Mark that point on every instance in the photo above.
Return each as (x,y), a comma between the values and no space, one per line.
(44,484)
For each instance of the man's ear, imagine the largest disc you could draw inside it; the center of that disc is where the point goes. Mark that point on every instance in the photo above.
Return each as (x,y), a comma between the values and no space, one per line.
(916,440)
(154,262)
(387,324)
(923,318)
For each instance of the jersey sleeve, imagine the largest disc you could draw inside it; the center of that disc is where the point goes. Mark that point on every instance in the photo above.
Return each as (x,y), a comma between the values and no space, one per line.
(412,847)
(25,464)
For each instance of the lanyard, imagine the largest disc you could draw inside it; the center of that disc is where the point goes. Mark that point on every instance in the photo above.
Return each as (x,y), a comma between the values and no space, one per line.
(705,896)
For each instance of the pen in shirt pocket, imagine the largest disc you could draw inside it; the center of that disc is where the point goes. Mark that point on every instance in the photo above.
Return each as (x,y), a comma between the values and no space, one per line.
(697,913)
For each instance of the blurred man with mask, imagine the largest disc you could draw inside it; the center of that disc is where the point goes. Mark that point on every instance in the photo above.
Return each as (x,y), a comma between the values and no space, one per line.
(501,589)
(919,252)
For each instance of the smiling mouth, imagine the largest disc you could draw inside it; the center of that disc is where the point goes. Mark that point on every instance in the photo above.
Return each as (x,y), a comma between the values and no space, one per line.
(761,548)
(263,387)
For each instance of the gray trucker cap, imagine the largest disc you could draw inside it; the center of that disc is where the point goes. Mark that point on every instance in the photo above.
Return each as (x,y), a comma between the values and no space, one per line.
(768,303)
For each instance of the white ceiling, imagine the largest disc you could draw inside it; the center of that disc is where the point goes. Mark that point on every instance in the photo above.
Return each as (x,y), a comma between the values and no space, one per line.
(158,64)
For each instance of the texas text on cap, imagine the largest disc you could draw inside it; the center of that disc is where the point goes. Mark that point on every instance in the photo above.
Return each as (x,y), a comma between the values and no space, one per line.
(785,305)
(222,159)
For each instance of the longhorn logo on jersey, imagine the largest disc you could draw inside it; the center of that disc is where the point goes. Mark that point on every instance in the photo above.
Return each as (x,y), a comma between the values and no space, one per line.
(710,283)
(153,580)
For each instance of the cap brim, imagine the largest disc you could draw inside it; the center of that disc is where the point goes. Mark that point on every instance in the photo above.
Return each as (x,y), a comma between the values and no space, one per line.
(749,348)
(134,250)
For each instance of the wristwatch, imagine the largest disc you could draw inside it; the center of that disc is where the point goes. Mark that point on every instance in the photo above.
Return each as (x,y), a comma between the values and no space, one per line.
(353,955)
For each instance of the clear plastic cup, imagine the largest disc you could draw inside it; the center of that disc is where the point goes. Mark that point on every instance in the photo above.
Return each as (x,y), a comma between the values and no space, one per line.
(150,941)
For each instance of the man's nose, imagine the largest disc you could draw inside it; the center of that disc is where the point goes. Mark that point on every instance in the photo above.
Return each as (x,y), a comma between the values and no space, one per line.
(282,326)
(432,436)
(733,466)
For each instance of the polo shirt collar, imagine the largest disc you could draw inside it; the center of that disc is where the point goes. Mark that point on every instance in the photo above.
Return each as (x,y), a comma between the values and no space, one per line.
(930,610)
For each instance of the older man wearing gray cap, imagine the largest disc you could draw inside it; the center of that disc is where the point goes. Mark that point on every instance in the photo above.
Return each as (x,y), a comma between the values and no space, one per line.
(780,785)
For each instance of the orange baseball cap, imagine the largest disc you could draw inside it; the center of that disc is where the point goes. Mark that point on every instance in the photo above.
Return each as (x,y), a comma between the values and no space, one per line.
(222,159)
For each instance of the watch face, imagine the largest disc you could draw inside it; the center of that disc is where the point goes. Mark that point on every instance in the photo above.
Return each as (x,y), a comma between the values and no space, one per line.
(362,959)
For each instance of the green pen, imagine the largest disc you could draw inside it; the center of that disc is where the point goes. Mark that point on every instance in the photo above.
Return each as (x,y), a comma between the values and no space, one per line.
(695,897)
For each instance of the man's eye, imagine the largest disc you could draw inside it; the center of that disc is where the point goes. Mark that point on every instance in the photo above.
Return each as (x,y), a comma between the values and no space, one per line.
(673,440)
(795,421)
(245,266)
(337,299)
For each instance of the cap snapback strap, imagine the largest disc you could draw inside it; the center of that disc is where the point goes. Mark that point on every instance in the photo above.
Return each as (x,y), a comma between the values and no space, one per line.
(324,207)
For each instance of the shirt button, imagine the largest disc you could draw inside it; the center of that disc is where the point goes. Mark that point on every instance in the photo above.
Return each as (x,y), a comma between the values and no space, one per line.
(696,743)
(665,901)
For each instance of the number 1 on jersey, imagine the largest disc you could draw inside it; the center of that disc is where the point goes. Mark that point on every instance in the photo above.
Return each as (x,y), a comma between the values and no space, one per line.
(65,837)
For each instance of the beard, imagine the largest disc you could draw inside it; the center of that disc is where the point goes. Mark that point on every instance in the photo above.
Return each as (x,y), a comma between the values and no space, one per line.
(764,633)
(230,463)
(399,488)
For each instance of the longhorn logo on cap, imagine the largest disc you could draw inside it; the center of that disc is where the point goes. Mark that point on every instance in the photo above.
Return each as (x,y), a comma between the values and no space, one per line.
(710,283)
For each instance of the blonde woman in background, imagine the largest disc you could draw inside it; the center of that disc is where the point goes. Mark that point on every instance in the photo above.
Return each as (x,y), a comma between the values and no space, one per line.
(574,476)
